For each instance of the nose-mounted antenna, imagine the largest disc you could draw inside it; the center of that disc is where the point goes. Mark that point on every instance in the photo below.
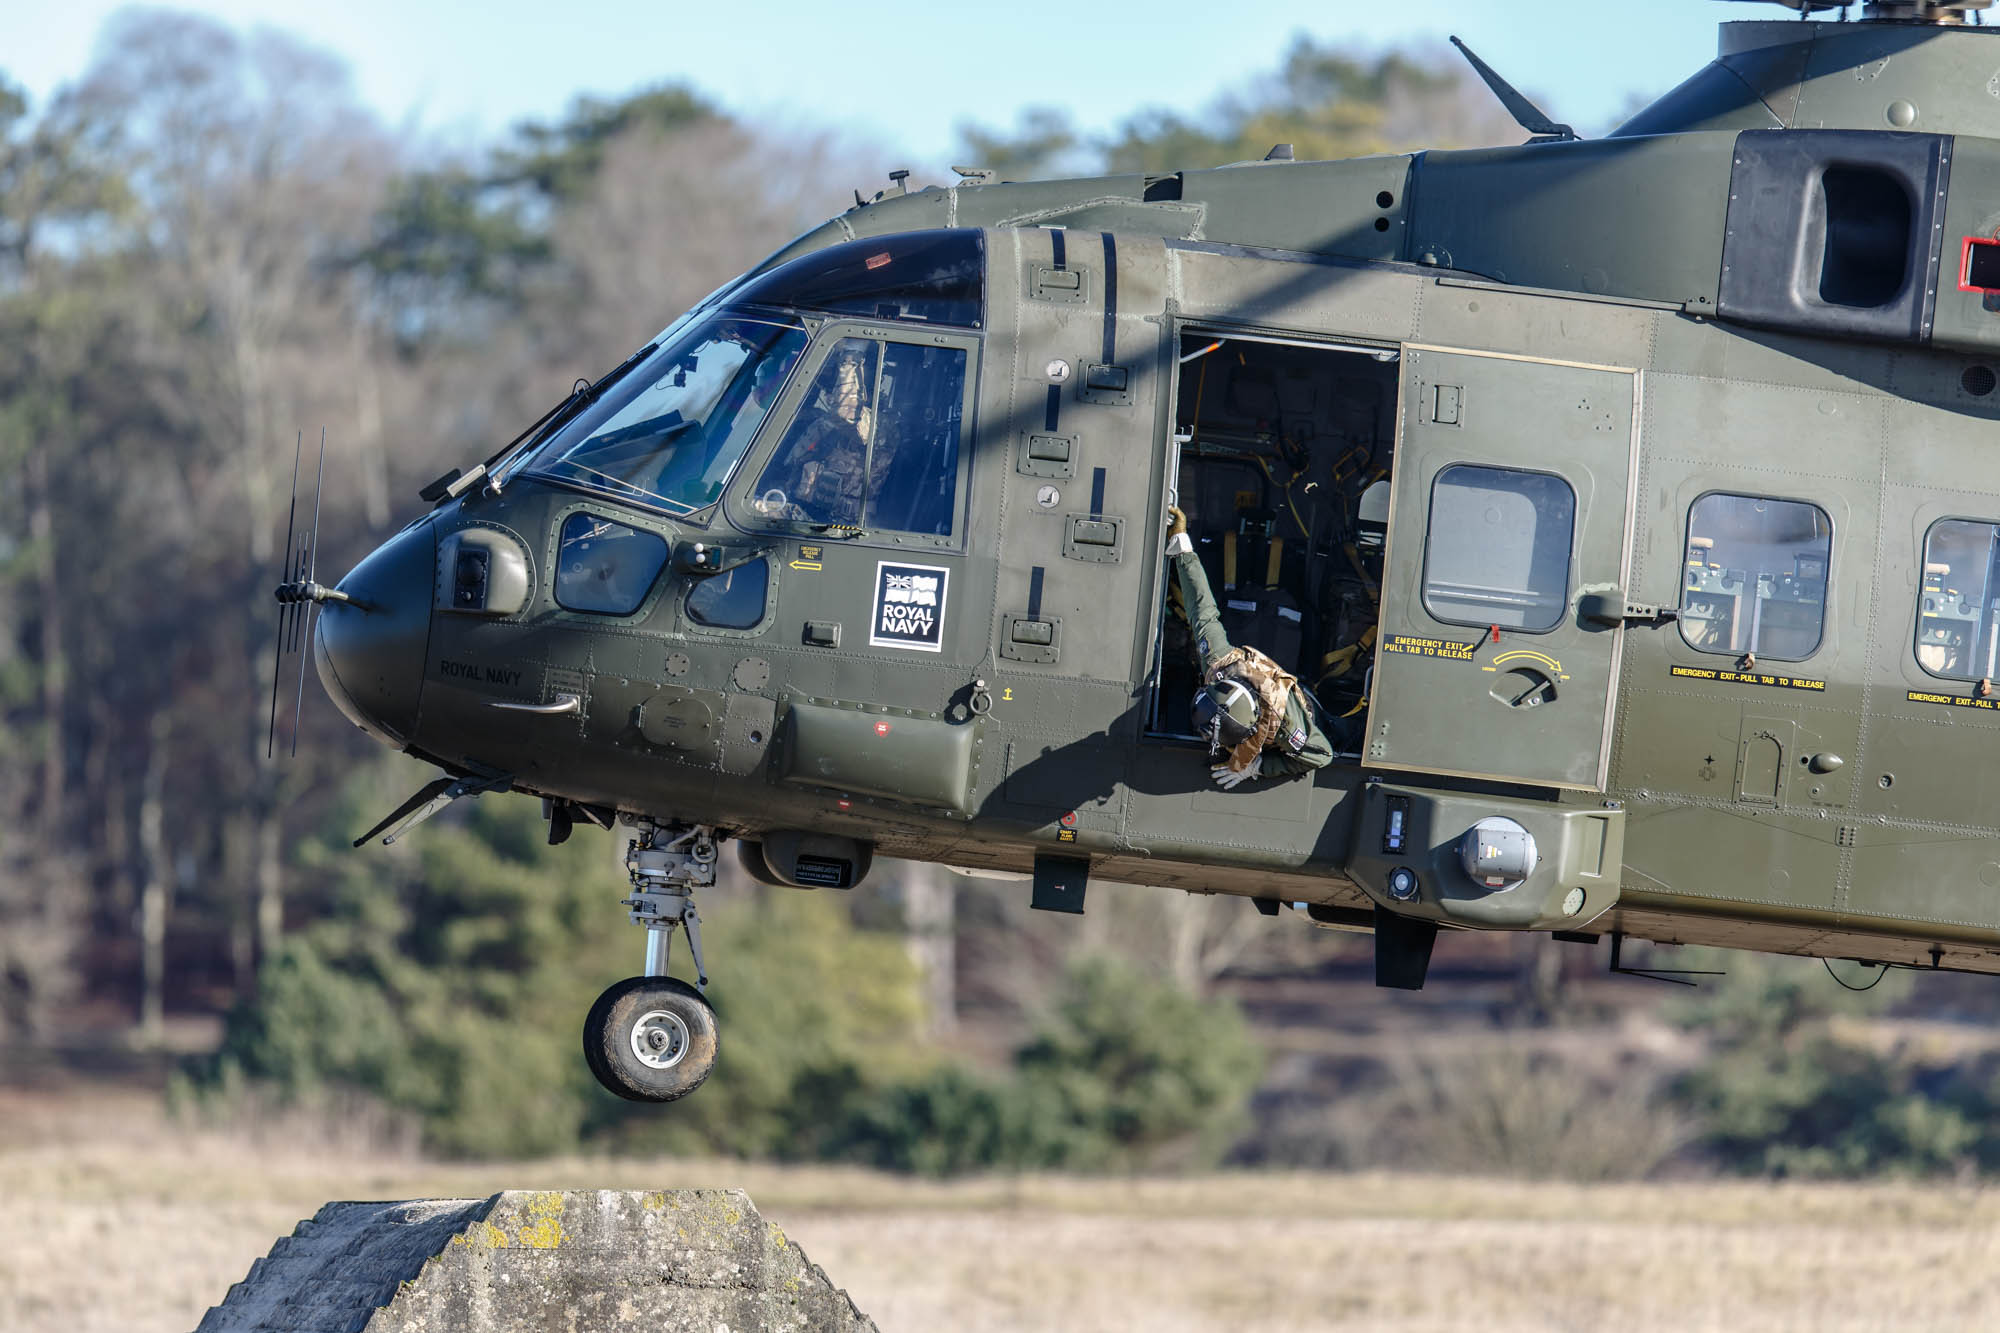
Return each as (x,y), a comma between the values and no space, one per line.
(299,595)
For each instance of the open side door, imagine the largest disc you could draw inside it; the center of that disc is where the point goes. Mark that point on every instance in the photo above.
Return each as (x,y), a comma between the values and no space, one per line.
(1511,503)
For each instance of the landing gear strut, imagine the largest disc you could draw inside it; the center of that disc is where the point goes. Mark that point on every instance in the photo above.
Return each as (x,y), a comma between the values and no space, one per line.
(651,1038)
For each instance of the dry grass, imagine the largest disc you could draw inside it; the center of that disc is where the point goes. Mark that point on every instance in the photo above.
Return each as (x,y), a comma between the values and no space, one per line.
(111,1218)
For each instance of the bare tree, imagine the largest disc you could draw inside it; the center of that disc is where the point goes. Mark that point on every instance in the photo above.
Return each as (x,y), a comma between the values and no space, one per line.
(257,174)
(671,216)
(930,901)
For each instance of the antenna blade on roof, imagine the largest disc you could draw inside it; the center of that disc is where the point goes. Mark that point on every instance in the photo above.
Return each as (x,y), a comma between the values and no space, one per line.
(1525,113)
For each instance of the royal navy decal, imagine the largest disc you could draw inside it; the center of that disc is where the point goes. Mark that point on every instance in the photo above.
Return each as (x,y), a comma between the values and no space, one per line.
(909,607)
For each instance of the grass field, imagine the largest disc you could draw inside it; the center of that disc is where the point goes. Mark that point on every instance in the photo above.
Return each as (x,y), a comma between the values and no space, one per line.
(113,1219)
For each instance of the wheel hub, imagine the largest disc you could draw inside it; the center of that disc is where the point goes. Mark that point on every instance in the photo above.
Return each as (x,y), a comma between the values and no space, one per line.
(660,1039)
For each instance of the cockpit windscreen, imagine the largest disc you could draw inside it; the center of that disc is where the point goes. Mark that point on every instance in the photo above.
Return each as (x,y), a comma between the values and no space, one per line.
(671,431)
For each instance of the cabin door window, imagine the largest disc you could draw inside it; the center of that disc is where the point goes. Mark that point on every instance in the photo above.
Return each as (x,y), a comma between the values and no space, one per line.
(1498,548)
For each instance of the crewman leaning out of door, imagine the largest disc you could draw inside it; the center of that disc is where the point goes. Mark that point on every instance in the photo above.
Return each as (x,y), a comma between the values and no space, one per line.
(1251,710)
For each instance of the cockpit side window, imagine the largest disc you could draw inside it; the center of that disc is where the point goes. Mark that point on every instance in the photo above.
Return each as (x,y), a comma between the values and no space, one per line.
(913,469)
(670,433)
(876,443)
(935,277)
(820,472)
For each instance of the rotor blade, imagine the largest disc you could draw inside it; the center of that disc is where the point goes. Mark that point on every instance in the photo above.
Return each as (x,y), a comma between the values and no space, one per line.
(318,477)
(278,654)
(310,619)
(298,705)
(277,668)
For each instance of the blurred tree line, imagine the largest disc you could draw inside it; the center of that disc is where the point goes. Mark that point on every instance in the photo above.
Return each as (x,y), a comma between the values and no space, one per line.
(1327,102)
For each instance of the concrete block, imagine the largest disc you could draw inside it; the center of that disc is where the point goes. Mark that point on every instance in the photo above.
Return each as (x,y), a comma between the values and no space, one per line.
(525,1262)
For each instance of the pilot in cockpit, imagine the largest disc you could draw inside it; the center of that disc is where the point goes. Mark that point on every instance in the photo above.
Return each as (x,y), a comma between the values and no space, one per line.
(822,466)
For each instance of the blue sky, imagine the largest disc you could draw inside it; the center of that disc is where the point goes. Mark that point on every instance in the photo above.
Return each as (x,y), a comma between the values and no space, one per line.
(897,76)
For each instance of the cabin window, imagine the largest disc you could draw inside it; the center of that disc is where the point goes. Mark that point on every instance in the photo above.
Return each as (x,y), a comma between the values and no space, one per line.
(876,443)
(733,599)
(1958,612)
(1497,554)
(606,567)
(1755,576)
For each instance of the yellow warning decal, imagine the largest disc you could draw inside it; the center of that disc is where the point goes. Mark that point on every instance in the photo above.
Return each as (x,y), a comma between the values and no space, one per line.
(1763,678)
(1527,655)
(1951,700)
(1403,643)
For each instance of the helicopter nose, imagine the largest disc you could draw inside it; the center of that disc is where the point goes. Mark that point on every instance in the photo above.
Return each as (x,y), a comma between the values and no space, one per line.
(370,652)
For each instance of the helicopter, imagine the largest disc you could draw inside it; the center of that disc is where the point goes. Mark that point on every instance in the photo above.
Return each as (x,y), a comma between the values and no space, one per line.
(1622,506)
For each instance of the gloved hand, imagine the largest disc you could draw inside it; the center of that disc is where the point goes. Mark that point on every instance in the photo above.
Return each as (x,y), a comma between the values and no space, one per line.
(1226,778)
(1176,521)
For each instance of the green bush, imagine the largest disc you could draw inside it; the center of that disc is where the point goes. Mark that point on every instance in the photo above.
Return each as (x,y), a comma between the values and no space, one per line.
(447,982)
(1128,1072)
(1812,1105)
(945,1122)
(1782,1093)
(1142,1071)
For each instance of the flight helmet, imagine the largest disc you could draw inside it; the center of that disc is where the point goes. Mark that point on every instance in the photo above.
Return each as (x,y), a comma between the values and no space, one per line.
(1226,712)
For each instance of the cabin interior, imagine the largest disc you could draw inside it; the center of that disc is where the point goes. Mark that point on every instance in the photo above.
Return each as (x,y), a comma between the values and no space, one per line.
(1285,455)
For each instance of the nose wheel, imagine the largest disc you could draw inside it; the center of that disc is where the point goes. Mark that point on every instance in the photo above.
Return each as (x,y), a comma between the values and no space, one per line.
(651,1038)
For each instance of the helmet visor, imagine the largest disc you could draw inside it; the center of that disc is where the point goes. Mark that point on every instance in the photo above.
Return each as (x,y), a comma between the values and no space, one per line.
(1225,713)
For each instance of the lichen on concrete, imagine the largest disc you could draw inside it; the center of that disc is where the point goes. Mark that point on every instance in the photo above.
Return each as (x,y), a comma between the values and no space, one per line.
(530,1261)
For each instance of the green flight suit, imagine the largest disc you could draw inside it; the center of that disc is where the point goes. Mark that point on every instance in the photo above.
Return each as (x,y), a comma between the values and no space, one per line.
(1300,746)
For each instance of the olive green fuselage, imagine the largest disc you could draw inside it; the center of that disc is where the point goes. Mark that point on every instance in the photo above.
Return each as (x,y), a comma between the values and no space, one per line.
(1602,314)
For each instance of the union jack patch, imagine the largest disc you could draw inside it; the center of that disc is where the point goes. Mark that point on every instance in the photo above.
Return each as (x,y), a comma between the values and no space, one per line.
(1297,739)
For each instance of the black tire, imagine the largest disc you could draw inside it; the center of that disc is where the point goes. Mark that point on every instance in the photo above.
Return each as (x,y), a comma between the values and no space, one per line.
(660,1015)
